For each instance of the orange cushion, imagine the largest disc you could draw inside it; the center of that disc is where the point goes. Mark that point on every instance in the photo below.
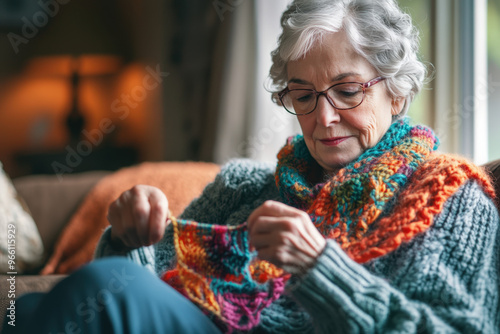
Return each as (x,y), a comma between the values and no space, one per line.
(180,181)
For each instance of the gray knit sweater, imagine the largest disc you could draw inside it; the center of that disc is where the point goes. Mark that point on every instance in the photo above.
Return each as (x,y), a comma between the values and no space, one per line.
(445,280)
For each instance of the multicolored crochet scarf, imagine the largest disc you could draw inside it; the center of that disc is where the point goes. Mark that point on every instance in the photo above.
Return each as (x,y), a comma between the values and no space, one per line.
(369,207)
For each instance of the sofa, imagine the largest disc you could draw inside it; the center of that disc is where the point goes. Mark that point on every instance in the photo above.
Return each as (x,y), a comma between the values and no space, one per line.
(55,202)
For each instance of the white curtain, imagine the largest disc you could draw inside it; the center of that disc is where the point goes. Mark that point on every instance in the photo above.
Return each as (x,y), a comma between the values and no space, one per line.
(250,124)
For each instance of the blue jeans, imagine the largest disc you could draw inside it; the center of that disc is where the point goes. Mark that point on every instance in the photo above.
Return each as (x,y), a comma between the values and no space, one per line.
(111,295)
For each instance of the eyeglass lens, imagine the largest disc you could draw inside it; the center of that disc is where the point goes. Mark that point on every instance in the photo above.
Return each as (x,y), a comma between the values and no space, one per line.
(304,101)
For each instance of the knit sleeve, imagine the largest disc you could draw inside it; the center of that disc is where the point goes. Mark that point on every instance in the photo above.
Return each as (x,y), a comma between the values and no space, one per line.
(144,256)
(239,184)
(443,281)
(228,200)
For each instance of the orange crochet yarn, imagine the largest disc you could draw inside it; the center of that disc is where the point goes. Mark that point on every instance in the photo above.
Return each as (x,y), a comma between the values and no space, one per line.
(427,191)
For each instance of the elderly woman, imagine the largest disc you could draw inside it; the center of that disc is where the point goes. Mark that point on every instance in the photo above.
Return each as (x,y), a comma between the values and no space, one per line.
(361,227)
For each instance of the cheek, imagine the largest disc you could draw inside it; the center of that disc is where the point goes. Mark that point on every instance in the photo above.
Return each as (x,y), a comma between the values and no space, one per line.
(371,123)
(368,131)
(307,125)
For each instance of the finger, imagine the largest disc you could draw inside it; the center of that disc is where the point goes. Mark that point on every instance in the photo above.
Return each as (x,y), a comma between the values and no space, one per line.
(264,240)
(286,258)
(117,222)
(130,241)
(158,216)
(271,255)
(125,233)
(138,218)
(261,211)
(273,209)
(279,209)
(279,256)
(113,215)
(123,230)
(265,224)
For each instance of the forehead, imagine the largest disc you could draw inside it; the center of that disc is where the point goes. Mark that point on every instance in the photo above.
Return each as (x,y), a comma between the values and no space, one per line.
(330,58)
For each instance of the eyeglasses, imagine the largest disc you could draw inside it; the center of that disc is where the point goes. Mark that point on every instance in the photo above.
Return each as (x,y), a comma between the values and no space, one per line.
(342,96)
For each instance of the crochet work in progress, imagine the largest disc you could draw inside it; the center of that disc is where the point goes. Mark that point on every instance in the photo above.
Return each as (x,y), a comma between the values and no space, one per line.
(217,271)
(369,207)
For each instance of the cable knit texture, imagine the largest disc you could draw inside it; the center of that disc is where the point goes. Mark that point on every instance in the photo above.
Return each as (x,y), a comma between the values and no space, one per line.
(424,260)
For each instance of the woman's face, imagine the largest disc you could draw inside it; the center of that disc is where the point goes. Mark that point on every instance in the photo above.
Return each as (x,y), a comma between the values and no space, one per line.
(337,137)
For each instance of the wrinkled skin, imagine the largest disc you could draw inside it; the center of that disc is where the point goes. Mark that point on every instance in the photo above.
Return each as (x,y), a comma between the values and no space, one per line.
(335,61)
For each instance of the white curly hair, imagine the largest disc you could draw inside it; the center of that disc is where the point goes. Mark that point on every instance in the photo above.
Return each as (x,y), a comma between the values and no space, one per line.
(377,29)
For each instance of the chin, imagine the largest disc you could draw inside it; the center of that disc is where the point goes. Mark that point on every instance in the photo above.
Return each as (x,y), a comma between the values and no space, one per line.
(339,160)
(336,164)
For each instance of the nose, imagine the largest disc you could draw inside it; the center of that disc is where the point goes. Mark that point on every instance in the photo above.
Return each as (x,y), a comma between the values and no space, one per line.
(326,113)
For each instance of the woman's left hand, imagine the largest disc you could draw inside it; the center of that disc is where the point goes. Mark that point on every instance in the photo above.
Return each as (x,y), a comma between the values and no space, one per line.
(285,236)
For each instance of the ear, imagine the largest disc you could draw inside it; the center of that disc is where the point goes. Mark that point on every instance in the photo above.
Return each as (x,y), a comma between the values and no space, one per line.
(397,105)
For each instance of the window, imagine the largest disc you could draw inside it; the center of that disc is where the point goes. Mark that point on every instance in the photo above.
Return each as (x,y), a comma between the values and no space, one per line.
(462,102)
(421,109)
(494,79)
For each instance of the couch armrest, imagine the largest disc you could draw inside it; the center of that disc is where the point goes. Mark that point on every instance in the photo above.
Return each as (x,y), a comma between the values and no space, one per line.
(52,201)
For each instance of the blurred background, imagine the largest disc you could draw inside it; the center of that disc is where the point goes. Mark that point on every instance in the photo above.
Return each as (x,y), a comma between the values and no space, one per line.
(98,85)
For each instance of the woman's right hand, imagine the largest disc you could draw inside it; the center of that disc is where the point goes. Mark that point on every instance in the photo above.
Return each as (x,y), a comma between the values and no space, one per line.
(138,217)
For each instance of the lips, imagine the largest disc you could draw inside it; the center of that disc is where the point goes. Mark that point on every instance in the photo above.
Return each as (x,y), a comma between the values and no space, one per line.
(334,141)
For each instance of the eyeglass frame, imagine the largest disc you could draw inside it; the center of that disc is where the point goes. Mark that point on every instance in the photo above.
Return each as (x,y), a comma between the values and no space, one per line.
(364,86)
